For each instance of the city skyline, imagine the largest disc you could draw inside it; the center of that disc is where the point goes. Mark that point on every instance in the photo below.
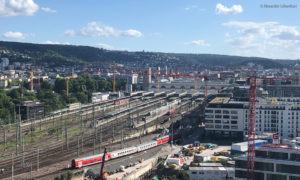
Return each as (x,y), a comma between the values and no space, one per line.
(256,28)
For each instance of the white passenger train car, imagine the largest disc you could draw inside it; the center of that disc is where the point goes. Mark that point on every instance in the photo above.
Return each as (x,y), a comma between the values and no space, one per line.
(123,152)
(146,145)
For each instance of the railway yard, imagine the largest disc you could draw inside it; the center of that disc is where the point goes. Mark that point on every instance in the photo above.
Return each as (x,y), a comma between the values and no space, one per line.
(45,147)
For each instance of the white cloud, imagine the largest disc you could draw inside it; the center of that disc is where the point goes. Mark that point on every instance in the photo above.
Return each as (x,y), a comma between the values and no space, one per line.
(266,39)
(190,7)
(105,46)
(198,43)
(49,10)
(55,42)
(131,33)
(17,8)
(95,29)
(70,32)
(15,35)
(235,9)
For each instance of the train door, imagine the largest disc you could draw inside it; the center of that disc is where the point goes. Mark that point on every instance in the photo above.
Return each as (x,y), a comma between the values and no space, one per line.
(79,164)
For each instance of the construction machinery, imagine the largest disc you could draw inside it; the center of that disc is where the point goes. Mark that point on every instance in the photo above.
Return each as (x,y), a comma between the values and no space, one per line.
(101,177)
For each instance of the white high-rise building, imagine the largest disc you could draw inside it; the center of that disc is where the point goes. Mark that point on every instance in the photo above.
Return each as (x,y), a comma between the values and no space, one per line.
(4,63)
(224,116)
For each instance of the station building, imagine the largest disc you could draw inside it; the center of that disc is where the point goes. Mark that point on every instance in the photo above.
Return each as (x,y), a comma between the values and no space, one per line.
(31,110)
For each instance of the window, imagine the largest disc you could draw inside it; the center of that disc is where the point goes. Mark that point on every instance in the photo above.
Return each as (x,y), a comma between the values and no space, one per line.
(278,155)
(193,172)
(209,111)
(259,176)
(283,168)
(209,116)
(209,126)
(240,174)
(225,127)
(218,111)
(241,164)
(276,177)
(218,121)
(234,117)
(264,166)
(234,127)
(294,178)
(233,122)
(226,122)
(295,157)
(225,112)
(225,116)
(262,154)
(233,112)
(218,126)
(209,121)
(218,116)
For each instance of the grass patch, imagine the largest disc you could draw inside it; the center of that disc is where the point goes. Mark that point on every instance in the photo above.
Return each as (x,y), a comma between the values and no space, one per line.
(74,131)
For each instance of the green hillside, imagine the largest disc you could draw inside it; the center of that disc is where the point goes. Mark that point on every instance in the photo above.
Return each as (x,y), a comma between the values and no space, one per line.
(70,54)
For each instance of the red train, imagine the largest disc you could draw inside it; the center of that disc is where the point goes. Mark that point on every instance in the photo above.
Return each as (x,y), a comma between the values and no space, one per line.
(122,101)
(81,162)
(171,111)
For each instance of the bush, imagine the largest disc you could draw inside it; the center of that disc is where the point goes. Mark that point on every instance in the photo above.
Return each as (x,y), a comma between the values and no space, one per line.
(63,176)
(70,175)
(52,131)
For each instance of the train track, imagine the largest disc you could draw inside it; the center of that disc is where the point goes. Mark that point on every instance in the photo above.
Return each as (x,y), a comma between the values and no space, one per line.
(27,128)
(47,157)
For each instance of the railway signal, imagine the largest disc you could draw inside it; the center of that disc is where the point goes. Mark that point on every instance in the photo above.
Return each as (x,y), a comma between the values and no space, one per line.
(12,166)
(38,160)
(4,137)
(23,152)
(77,145)
(100,138)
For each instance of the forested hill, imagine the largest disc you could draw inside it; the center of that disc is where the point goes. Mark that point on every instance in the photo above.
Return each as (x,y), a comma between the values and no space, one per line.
(71,54)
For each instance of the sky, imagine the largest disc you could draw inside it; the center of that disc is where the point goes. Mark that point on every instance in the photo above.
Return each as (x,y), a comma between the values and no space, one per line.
(261,28)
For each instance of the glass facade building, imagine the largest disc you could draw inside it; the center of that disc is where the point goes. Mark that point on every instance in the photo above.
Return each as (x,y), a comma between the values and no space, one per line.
(272,162)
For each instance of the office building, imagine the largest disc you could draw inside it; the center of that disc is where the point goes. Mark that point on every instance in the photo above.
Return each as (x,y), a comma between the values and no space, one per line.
(226,117)
(272,162)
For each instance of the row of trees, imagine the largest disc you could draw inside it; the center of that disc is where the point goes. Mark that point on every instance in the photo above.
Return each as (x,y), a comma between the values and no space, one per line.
(54,95)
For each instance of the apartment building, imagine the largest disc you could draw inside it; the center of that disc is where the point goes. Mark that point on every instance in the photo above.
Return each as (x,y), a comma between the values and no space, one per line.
(225,116)
(272,162)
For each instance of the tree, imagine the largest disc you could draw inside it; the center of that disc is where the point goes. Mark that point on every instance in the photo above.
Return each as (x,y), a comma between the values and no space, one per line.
(47,85)
(6,107)
(60,85)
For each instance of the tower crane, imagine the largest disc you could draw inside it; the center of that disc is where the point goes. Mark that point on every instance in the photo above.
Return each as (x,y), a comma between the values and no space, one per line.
(251,128)
(114,81)
(31,79)
(67,84)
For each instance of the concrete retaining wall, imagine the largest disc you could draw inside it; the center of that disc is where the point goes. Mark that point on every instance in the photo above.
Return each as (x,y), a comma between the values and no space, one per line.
(135,175)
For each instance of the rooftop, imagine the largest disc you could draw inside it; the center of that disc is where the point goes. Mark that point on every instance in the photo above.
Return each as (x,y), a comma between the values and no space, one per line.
(275,101)
(219,100)
(207,169)
(210,165)
(280,147)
